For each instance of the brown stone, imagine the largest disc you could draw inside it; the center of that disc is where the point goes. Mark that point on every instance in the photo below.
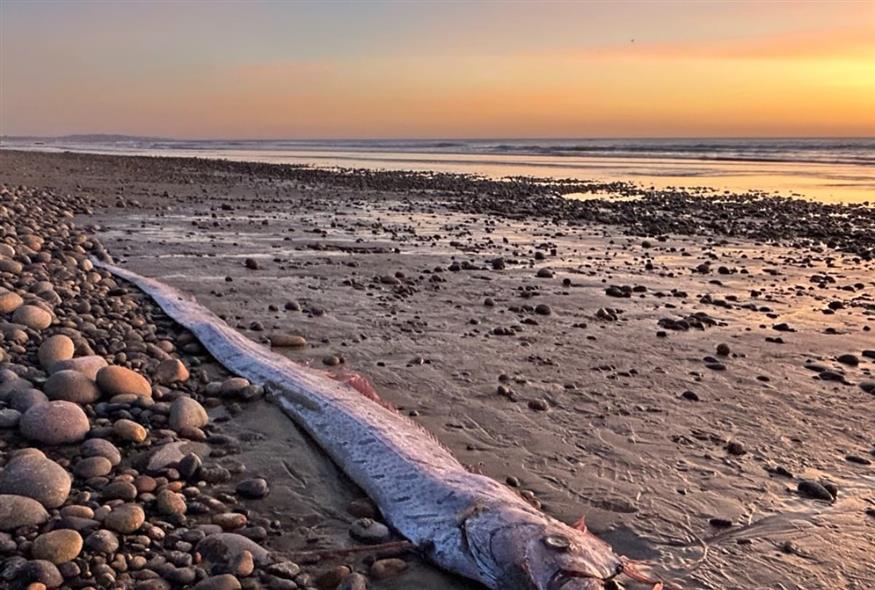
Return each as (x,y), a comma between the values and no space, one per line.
(125,519)
(114,380)
(58,546)
(32,316)
(55,348)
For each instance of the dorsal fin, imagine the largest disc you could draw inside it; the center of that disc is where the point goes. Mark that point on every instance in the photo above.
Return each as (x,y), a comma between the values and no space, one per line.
(362,385)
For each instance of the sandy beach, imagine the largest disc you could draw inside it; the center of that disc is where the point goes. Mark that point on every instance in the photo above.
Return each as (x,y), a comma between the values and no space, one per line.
(686,372)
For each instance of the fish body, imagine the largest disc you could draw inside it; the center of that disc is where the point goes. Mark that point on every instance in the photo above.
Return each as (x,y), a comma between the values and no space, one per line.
(464,522)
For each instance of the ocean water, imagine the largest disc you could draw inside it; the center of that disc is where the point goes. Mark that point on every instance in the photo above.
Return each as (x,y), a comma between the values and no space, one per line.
(831,170)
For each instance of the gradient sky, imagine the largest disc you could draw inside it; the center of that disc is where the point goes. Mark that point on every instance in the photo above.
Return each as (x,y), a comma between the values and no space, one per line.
(202,69)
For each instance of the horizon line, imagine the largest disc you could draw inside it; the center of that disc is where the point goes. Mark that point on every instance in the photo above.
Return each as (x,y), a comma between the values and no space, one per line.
(437,138)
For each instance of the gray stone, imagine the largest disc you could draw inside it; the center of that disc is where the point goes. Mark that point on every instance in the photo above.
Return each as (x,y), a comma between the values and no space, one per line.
(9,418)
(71,386)
(186,412)
(55,423)
(24,399)
(100,447)
(253,488)
(87,365)
(102,541)
(13,384)
(36,477)
(19,511)
(119,490)
(369,531)
(225,548)
(170,454)
(39,570)
(92,467)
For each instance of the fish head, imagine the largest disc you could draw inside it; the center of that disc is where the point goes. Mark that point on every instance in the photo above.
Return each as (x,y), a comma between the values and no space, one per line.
(560,557)
(531,551)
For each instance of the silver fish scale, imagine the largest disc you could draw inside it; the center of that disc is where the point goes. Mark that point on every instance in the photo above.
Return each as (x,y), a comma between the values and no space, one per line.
(420,488)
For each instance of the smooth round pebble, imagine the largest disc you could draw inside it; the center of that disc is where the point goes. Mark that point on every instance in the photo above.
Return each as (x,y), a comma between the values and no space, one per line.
(40,571)
(36,477)
(55,348)
(186,412)
(92,467)
(9,301)
(169,502)
(230,520)
(130,431)
(253,488)
(171,371)
(222,548)
(125,519)
(35,318)
(71,386)
(88,365)
(100,447)
(287,341)
(369,531)
(119,490)
(19,511)
(102,541)
(24,399)
(9,418)
(10,266)
(58,546)
(114,380)
(55,423)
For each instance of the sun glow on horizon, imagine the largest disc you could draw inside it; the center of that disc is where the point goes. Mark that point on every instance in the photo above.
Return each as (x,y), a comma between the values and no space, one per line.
(388,70)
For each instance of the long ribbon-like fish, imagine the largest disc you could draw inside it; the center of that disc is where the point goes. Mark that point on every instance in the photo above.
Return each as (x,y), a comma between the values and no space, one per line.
(464,522)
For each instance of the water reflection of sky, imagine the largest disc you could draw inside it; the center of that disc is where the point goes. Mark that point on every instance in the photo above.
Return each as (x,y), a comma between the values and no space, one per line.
(829,182)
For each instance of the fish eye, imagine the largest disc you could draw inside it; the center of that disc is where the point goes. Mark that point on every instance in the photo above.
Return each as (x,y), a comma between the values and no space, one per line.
(557,542)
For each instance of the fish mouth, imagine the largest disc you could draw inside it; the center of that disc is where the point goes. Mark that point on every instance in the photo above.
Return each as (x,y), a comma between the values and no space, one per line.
(572,580)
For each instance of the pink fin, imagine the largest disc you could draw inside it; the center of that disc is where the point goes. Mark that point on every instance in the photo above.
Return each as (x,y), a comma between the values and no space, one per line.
(362,385)
(580,524)
(631,570)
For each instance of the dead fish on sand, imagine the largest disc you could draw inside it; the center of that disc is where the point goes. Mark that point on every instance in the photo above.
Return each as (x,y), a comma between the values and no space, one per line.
(464,522)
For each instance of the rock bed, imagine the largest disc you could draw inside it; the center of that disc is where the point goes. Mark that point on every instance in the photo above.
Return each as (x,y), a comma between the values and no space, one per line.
(112,474)
(639,211)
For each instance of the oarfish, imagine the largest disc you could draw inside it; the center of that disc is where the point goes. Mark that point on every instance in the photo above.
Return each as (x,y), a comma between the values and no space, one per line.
(464,522)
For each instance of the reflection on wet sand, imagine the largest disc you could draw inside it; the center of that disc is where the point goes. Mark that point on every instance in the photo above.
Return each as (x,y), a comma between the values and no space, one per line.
(826,182)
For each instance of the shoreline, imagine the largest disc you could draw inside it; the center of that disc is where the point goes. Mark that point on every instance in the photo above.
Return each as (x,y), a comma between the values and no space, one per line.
(820,170)
(640,210)
(433,286)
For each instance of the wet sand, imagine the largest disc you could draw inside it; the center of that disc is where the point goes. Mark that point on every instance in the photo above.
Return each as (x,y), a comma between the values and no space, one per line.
(588,396)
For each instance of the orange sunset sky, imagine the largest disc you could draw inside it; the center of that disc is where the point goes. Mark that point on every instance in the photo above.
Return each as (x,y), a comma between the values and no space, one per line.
(437,69)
